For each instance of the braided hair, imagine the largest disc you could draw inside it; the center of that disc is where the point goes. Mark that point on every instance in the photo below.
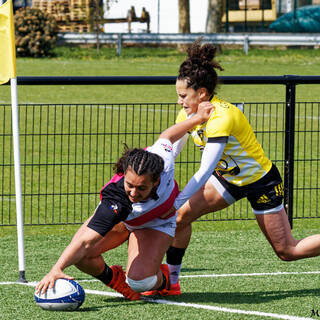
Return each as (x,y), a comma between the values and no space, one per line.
(141,162)
(199,68)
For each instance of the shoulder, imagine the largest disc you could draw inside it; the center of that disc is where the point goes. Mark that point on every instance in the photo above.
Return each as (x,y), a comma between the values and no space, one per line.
(222,104)
(164,149)
(222,119)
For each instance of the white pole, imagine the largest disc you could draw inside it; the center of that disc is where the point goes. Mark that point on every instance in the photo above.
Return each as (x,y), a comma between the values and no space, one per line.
(158,27)
(17,177)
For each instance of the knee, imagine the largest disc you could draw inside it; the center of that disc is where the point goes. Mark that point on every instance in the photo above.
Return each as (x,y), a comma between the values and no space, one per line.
(182,222)
(145,284)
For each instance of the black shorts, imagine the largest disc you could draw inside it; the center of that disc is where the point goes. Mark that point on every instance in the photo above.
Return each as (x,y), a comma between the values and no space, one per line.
(263,195)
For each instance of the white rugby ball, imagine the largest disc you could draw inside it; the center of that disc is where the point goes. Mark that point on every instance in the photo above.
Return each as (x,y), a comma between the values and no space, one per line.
(66,295)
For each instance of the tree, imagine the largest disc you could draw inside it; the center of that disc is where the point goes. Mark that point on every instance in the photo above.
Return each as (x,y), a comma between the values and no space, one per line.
(213,24)
(184,16)
(96,17)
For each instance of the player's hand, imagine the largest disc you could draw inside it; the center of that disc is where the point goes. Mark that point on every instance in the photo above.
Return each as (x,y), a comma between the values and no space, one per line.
(204,111)
(49,279)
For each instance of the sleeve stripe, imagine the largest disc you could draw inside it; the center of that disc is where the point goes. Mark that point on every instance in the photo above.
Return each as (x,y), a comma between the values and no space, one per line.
(218,139)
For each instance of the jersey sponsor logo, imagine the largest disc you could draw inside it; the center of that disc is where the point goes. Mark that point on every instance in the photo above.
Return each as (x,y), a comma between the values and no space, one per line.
(263,199)
(224,105)
(200,138)
(166,147)
(228,166)
(200,134)
(114,207)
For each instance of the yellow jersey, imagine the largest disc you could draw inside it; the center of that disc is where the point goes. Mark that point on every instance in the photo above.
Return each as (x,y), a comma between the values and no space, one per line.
(243,160)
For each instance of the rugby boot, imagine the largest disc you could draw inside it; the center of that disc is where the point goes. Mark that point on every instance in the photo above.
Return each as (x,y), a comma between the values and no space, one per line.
(150,293)
(169,290)
(119,284)
(174,290)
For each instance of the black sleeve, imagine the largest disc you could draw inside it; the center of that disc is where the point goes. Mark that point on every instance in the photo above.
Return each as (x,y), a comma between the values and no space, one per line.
(218,139)
(106,216)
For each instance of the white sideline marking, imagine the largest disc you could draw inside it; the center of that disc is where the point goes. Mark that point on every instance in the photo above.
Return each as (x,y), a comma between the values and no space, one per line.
(205,307)
(248,274)
(200,306)
(235,275)
(228,310)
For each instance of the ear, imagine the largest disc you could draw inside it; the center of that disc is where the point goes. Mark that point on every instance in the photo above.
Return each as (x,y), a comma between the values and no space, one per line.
(203,94)
(157,182)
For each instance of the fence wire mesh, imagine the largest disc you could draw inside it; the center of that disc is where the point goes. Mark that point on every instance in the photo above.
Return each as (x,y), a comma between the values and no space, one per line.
(68,151)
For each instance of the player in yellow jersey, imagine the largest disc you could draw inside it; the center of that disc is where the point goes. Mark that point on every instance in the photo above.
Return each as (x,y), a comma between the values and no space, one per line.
(233,166)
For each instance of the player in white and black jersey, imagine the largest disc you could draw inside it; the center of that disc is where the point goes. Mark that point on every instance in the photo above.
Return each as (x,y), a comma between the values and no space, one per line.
(136,205)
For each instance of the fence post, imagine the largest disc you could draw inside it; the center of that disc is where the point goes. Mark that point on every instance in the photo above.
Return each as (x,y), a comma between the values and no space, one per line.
(246,45)
(289,148)
(119,44)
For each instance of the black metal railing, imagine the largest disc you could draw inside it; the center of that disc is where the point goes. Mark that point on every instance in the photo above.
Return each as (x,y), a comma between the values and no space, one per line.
(67,151)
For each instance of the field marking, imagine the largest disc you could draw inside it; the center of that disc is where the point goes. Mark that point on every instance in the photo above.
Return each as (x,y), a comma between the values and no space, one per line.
(205,307)
(200,306)
(235,275)
(183,304)
(249,274)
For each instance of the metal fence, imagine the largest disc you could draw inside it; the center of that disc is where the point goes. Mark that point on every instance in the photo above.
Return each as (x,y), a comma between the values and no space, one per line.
(243,39)
(68,151)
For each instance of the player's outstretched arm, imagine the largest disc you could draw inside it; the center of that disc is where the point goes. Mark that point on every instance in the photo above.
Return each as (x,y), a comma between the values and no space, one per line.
(81,243)
(178,130)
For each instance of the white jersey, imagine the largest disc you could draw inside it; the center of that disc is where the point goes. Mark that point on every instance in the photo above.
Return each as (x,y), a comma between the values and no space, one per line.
(146,214)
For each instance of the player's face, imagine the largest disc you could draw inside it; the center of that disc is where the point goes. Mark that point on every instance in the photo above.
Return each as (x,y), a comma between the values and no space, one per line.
(138,188)
(189,98)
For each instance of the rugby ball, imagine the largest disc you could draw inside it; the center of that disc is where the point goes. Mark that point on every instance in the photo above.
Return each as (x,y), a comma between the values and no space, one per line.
(66,295)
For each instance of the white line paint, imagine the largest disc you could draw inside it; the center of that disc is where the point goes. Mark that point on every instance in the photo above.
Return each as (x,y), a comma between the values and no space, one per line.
(228,310)
(248,274)
(103,293)
(226,275)
(205,307)
(200,306)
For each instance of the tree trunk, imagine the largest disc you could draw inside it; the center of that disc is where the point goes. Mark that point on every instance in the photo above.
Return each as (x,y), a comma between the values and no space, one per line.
(214,15)
(184,16)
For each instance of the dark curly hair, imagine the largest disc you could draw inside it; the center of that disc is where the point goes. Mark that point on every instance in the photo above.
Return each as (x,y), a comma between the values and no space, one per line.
(142,162)
(199,68)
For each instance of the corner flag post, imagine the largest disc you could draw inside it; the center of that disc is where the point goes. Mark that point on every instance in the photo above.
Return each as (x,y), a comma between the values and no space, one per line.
(8,72)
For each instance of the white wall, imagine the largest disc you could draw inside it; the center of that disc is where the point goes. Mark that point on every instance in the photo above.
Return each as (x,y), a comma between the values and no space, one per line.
(168,13)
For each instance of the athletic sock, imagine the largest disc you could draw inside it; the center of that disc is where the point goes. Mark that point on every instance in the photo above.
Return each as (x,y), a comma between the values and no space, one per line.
(174,272)
(106,275)
(174,262)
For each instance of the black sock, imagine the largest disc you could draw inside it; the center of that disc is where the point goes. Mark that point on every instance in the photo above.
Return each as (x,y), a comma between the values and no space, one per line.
(175,255)
(106,275)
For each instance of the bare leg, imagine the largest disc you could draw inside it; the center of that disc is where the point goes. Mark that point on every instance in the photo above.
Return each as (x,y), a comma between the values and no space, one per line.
(145,253)
(206,200)
(277,230)
(93,262)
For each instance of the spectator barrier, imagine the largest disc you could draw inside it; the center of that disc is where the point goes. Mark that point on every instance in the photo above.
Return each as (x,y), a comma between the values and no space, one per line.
(68,151)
